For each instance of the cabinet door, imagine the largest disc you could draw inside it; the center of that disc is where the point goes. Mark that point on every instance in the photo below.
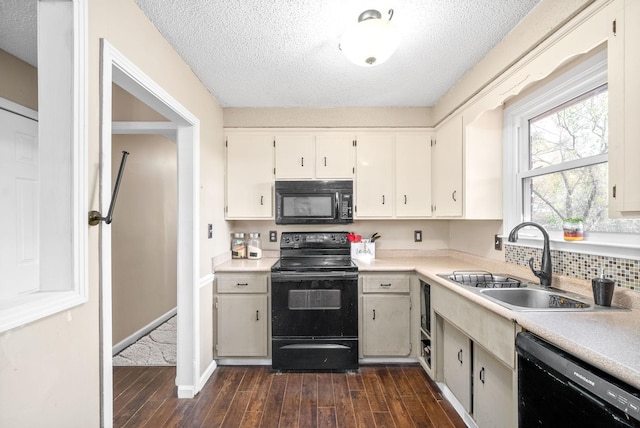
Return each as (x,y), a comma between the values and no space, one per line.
(386,325)
(242,325)
(457,364)
(493,404)
(446,162)
(249,176)
(374,182)
(335,156)
(294,156)
(413,176)
(624,110)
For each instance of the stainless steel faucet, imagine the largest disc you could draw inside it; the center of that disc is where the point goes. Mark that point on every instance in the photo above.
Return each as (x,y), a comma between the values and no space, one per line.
(546,268)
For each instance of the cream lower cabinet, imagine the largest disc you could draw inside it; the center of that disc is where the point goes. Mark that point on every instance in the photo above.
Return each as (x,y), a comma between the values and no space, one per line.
(241,315)
(492,390)
(457,364)
(385,316)
(476,358)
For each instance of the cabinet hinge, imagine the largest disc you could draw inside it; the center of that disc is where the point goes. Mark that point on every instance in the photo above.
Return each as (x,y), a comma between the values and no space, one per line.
(274,171)
(433,142)
(274,142)
(614,27)
(226,208)
(355,209)
(216,304)
(226,142)
(353,170)
(355,143)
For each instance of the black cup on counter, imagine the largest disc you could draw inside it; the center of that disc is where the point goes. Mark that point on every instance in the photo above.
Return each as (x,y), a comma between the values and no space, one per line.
(602,291)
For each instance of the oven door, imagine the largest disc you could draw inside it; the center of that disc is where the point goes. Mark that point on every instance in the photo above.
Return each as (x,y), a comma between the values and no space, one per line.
(314,305)
(314,321)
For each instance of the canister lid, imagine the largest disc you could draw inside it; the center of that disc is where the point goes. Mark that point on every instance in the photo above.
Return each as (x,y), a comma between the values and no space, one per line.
(254,235)
(238,235)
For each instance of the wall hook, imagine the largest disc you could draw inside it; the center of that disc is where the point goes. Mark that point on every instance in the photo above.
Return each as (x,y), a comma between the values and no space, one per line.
(94,216)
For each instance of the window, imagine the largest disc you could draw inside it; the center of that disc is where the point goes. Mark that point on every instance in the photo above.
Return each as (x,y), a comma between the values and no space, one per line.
(556,157)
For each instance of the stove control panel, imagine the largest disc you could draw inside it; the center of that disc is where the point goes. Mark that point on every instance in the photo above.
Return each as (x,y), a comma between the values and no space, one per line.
(313,240)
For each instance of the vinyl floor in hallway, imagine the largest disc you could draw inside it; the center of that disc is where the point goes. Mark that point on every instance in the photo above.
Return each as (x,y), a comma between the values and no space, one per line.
(257,396)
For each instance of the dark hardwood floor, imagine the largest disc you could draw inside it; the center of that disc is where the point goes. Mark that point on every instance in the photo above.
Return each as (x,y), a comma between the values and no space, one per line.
(239,396)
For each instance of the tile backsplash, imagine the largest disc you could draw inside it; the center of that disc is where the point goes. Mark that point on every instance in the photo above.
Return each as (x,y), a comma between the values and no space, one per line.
(624,272)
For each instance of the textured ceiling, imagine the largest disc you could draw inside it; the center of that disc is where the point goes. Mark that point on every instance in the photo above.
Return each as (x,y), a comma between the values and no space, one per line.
(284,53)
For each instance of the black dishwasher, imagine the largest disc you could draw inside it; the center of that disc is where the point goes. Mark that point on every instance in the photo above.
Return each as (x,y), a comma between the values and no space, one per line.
(555,389)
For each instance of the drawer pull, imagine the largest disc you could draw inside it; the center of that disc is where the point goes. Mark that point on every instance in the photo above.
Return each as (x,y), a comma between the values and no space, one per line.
(385,285)
(374,314)
(257,315)
(242,284)
(481,376)
(460,356)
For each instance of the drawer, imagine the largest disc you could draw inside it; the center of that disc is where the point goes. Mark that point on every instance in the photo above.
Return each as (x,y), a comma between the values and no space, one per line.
(242,283)
(385,283)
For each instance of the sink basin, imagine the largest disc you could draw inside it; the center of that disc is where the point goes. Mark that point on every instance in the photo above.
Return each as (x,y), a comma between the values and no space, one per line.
(520,299)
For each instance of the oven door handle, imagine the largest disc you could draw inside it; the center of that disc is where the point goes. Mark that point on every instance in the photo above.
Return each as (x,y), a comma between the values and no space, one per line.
(315,276)
(315,346)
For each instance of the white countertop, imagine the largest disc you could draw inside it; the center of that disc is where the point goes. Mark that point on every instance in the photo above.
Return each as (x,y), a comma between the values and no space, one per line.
(609,340)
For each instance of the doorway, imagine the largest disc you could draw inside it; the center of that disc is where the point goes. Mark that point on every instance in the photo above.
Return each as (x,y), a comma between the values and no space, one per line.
(184,127)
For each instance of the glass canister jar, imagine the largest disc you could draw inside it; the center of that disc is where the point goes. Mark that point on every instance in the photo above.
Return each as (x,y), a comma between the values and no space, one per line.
(254,246)
(238,246)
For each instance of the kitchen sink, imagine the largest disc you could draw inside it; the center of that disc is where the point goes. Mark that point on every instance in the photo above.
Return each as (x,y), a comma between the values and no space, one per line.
(482,279)
(523,299)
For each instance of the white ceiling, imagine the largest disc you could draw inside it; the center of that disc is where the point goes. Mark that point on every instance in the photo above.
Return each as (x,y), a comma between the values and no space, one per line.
(284,53)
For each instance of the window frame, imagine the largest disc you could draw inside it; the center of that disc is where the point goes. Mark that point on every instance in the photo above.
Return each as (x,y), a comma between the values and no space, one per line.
(62,137)
(584,77)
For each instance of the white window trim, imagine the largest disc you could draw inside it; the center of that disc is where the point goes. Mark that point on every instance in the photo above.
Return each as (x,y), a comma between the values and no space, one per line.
(584,77)
(60,289)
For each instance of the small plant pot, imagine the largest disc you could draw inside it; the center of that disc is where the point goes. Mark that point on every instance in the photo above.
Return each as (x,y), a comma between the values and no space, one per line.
(573,230)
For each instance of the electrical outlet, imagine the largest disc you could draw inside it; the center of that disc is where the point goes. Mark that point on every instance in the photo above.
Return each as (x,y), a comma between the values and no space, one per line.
(497,243)
(210,231)
(417,236)
(273,236)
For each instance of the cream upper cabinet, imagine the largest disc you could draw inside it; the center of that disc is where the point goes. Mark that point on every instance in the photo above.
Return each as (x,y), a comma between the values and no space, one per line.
(413,175)
(295,156)
(335,156)
(624,109)
(482,193)
(446,166)
(249,176)
(374,175)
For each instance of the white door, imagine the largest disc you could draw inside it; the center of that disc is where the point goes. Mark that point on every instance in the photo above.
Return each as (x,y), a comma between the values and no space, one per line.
(19,262)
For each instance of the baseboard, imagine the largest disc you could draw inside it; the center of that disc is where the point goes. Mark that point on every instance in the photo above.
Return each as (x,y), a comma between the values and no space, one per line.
(186,391)
(143,331)
(206,375)
(244,362)
(446,393)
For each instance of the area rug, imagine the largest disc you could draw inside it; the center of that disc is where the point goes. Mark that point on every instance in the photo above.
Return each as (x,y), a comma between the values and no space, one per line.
(158,348)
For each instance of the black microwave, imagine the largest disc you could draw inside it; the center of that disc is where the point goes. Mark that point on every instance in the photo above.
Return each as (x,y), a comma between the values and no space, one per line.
(314,202)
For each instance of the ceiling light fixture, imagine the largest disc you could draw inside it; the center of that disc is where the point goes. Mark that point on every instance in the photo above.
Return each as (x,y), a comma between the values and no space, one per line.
(371,41)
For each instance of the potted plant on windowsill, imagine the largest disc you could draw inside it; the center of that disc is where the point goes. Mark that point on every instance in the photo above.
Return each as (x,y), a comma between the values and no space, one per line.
(573,229)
